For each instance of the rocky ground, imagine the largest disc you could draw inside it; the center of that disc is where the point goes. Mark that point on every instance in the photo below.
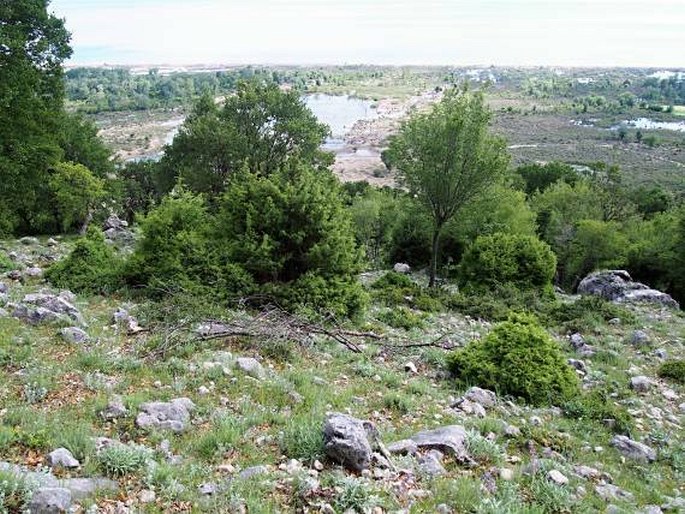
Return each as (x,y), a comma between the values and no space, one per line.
(94,419)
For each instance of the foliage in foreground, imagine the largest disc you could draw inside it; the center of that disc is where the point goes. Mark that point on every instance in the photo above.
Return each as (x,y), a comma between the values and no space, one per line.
(517,358)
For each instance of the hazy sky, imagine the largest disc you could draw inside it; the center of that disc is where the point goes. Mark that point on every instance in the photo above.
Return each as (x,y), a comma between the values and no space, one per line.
(523,32)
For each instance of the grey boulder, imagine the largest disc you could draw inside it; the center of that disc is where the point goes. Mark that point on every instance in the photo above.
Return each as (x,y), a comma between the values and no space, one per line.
(250,367)
(633,449)
(618,286)
(50,500)
(346,440)
(449,439)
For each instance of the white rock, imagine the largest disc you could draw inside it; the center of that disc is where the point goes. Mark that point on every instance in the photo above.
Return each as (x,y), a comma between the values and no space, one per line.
(557,477)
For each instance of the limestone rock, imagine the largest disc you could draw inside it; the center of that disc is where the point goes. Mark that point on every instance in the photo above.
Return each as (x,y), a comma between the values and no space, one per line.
(250,367)
(61,457)
(557,477)
(401,267)
(74,335)
(484,397)
(449,439)
(173,415)
(618,286)
(633,449)
(346,440)
(50,500)
(640,384)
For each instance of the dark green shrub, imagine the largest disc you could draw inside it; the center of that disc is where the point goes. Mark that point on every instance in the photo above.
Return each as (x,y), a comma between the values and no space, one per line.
(401,317)
(316,295)
(397,289)
(674,370)
(517,358)
(586,313)
(598,406)
(291,233)
(91,267)
(497,303)
(502,258)
(5,263)
(173,251)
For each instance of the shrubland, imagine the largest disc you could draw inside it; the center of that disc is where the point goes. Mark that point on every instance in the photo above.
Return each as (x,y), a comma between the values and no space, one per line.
(262,300)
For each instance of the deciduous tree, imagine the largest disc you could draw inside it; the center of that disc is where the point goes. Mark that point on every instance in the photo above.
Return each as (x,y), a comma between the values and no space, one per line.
(446,157)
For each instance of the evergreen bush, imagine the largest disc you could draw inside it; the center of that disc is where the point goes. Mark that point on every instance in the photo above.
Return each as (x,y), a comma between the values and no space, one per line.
(517,358)
(524,261)
(91,267)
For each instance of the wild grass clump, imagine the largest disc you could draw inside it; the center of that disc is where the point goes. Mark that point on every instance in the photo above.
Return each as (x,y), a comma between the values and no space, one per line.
(119,460)
(598,406)
(6,263)
(15,492)
(673,370)
(517,358)
(302,438)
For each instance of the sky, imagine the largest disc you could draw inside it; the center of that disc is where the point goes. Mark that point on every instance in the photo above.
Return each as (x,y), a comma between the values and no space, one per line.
(452,32)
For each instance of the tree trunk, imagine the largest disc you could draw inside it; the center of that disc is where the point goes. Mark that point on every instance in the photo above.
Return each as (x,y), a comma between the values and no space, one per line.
(434,255)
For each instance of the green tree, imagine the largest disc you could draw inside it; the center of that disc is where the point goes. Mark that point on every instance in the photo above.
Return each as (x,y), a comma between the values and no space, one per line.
(447,157)
(76,192)
(538,177)
(260,125)
(596,245)
(33,46)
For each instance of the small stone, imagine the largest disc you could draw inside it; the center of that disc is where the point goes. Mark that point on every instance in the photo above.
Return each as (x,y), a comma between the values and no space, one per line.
(610,492)
(410,367)
(317,465)
(229,469)
(506,474)
(29,241)
(51,242)
(61,457)
(443,508)
(669,394)
(74,335)
(147,496)
(577,341)
(401,267)
(578,365)
(535,421)
(208,489)
(512,431)
(203,391)
(614,321)
(115,409)
(640,384)
(484,397)
(253,471)
(250,367)
(639,338)
(660,353)
(557,477)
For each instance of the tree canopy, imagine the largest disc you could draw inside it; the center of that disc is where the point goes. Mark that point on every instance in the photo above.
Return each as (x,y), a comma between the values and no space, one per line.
(260,126)
(446,157)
